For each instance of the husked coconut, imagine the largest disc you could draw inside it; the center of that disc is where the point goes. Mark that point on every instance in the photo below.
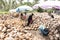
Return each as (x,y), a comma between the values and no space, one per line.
(9,38)
(9,30)
(16,15)
(1,28)
(2,35)
(57,35)
(4,29)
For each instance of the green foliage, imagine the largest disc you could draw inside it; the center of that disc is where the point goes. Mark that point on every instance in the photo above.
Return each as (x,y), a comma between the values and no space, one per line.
(49,10)
(36,1)
(3,12)
(12,4)
(40,9)
(28,3)
(2,2)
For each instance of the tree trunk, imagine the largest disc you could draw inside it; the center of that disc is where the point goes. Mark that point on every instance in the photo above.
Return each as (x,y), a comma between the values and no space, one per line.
(10,4)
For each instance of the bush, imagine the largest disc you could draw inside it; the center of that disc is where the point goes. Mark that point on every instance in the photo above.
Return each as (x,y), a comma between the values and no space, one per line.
(49,10)
(40,9)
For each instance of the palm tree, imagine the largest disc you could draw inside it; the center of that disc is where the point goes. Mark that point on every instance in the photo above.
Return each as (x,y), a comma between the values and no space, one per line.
(20,1)
(45,0)
(9,5)
(36,1)
(27,0)
(58,0)
(2,4)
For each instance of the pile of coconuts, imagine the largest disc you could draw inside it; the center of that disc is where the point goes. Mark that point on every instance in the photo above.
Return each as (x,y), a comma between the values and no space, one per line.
(12,27)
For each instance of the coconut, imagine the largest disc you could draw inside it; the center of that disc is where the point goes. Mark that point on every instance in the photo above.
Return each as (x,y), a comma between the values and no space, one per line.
(4,29)
(1,28)
(2,35)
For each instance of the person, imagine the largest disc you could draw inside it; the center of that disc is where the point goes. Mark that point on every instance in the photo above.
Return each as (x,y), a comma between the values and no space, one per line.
(24,16)
(51,15)
(25,13)
(30,21)
(44,30)
(21,16)
(18,10)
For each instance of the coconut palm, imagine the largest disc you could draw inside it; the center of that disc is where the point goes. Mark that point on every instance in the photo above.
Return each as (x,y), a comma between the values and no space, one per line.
(2,4)
(36,1)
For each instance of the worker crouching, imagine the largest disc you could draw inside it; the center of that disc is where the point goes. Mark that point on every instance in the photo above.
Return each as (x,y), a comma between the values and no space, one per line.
(43,30)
